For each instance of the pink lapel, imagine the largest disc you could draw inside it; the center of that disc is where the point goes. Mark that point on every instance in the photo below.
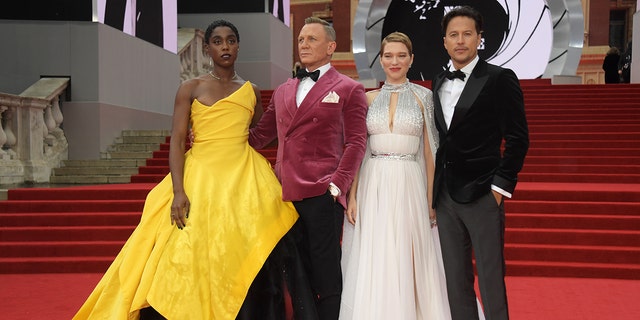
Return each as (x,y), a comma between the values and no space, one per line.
(289,100)
(318,92)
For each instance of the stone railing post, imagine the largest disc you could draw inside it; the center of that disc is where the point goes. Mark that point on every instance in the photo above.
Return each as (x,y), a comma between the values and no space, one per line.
(3,134)
(31,138)
(193,60)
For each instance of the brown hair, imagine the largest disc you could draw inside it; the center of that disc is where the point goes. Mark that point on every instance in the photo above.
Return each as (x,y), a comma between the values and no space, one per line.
(613,50)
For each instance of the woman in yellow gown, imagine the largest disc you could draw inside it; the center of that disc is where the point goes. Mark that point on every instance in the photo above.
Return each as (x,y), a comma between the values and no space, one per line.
(209,226)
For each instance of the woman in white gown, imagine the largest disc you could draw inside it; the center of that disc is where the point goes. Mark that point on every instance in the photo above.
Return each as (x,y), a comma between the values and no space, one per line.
(391,257)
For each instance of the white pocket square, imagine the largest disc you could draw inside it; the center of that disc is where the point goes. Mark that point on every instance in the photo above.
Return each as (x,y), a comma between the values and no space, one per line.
(332,97)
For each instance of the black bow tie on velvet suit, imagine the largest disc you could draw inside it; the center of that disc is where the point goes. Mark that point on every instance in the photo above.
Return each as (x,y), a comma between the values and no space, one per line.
(303,73)
(455,74)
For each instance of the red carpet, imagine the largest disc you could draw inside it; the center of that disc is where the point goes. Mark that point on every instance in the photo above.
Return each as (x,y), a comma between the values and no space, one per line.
(58,297)
(575,213)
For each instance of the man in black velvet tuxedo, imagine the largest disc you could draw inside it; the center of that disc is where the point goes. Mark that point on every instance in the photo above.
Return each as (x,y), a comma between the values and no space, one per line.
(477,108)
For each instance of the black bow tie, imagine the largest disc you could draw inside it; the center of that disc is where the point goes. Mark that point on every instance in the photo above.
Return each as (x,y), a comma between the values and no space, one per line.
(303,73)
(456,74)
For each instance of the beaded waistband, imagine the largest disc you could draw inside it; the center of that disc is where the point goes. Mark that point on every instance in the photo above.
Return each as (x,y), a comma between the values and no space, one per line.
(394,156)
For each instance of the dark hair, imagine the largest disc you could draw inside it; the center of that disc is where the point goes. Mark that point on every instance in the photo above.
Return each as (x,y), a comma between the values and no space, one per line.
(220,23)
(462,11)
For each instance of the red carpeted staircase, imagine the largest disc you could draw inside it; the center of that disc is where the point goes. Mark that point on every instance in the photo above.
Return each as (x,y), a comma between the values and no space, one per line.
(575,213)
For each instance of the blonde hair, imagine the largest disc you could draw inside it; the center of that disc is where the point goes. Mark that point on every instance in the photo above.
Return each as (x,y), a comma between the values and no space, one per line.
(396,37)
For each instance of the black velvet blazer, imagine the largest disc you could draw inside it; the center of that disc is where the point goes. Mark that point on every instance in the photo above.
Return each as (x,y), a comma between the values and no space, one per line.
(490,111)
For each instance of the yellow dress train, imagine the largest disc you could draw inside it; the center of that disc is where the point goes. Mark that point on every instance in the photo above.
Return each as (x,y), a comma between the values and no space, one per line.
(237,217)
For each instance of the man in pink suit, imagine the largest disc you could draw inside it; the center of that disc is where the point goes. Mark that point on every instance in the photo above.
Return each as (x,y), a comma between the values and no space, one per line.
(319,120)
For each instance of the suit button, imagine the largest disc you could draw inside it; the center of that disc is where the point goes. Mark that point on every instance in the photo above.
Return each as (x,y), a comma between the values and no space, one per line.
(315,119)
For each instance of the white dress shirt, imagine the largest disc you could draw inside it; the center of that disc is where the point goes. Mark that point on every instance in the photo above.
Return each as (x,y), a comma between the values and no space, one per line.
(306,84)
(451,90)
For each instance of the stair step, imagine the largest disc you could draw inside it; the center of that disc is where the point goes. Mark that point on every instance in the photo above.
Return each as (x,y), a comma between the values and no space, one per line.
(86,264)
(582,136)
(100,192)
(161,170)
(144,139)
(573,221)
(134,147)
(103,163)
(70,219)
(588,192)
(581,168)
(602,127)
(156,133)
(71,205)
(584,160)
(532,268)
(147,178)
(593,206)
(95,171)
(128,155)
(90,179)
(596,144)
(60,248)
(591,237)
(66,233)
(579,177)
(567,253)
(544,118)
(580,152)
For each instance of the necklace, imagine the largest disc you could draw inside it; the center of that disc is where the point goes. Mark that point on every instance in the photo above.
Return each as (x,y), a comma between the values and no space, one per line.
(395,87)
(235,75)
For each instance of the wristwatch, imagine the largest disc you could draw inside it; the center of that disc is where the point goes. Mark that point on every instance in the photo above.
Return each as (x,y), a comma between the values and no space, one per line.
(334,190)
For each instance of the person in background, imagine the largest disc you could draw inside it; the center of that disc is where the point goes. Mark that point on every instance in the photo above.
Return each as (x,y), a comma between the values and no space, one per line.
(610,66)
(624,65)
(318,118)
(207,230)
(479,108)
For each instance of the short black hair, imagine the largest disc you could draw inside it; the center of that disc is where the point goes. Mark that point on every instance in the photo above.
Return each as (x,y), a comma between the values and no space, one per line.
(220,23)
(462,11)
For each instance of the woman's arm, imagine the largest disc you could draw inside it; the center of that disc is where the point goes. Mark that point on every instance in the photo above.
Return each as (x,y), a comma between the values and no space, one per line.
(180,126)
(430,169)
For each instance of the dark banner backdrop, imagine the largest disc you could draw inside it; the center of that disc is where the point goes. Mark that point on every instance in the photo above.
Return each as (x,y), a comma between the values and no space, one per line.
(56,10)
(423,26)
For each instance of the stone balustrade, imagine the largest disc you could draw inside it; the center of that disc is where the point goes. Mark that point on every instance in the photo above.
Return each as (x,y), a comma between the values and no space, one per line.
(31,135)
(32,139)
(193,59)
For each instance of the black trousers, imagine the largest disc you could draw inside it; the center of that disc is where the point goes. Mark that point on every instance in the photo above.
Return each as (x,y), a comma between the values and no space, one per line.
(477,226)
(317,233)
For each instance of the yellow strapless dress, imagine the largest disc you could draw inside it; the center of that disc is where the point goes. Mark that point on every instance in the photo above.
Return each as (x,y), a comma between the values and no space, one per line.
(237,217)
